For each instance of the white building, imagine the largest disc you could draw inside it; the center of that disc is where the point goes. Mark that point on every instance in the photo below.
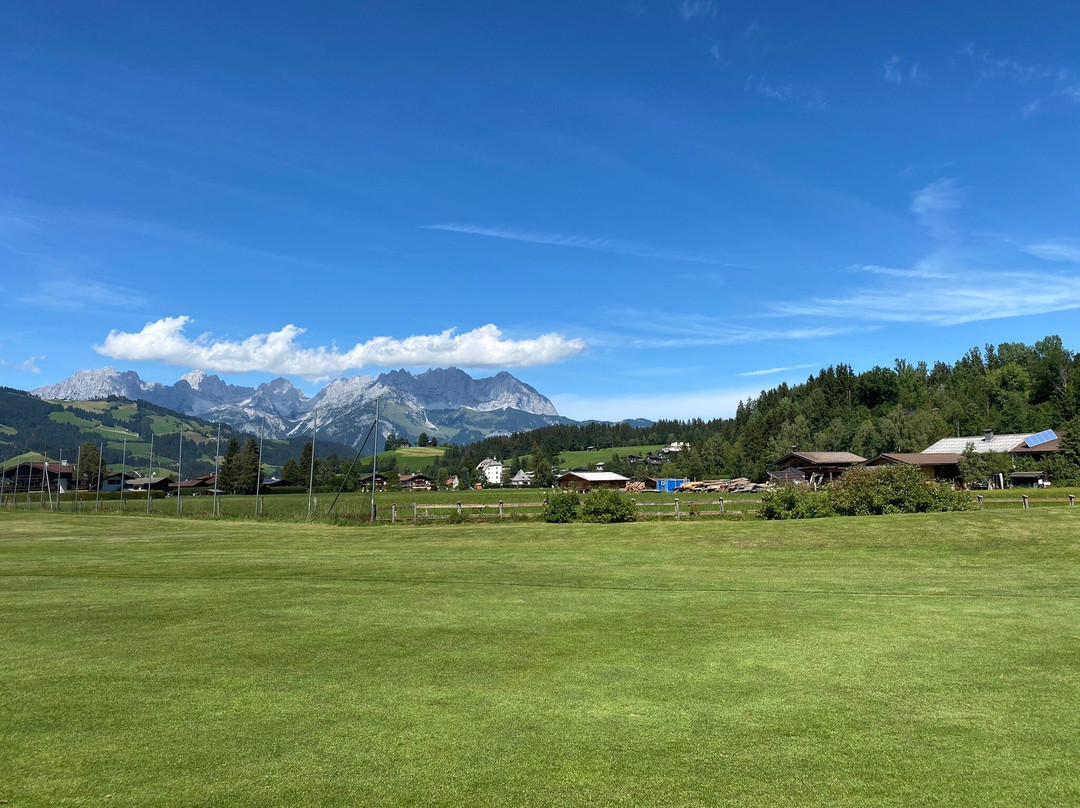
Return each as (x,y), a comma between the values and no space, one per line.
(492,470)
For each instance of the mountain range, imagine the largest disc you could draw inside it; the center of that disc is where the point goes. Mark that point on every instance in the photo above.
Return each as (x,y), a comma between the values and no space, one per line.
(445,403)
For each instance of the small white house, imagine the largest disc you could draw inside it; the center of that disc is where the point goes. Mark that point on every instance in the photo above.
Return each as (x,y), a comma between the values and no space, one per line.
(492,470)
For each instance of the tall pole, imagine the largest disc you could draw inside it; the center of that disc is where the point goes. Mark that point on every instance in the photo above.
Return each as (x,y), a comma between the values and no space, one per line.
(180,476)
(48,484)
(97,493)
(78,474)
(311,465)
(123,474)
(150,478)
(217,457)
(374,461)
(258,475)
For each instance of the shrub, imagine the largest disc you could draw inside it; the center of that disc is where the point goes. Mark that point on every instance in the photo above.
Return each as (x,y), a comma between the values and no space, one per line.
(864,491)
(607,506)
(562,507)
(794,502)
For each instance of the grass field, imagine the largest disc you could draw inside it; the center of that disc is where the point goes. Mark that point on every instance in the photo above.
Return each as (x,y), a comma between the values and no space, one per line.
(901,661)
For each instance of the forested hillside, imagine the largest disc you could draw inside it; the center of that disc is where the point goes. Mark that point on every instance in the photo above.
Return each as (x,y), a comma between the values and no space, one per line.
(29,424)
(1011,387)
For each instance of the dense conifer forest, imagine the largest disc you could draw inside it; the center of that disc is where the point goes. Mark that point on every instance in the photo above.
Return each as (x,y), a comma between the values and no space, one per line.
(1011,387)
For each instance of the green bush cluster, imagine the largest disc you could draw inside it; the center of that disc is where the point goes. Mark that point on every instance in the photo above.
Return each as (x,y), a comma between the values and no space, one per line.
(562,507)
(864,491)
(599,506)
(795,502)
(607,506)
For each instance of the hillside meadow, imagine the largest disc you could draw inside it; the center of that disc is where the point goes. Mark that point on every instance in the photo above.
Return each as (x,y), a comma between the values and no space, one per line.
(904,660)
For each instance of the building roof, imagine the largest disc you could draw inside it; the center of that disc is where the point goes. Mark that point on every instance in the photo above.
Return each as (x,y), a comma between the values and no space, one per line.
(1048,447)
(982,443)
(916,458)
(411,478)
(522,475)
(826,458)
(596,476)
(488,463)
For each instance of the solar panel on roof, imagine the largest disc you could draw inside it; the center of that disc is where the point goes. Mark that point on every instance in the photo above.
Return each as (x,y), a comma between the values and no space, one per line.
(1042,437)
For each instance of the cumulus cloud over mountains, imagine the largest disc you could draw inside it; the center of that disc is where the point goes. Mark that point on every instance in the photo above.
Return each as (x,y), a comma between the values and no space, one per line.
(279,352)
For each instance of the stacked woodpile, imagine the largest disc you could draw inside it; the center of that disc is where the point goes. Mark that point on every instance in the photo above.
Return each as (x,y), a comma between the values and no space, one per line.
(739,485)
(634,488)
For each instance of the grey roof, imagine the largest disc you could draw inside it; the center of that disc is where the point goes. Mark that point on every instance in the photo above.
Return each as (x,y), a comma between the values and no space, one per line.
(597,476)
(996,443)
(916,459)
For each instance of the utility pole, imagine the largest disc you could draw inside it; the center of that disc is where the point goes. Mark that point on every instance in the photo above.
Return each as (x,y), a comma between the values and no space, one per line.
(123,474)
(311,465)
(374,460)
(217,459)
(258,476)
(180,476)
(150,478)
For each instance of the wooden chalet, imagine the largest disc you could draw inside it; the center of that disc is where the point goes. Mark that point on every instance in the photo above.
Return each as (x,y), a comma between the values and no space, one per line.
(37,475)
(365,482)
(934,466)
(819,467)
(585,481)
(153,483)
(416,482)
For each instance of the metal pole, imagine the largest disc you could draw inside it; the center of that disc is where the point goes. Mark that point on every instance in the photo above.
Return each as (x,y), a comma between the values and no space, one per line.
(374,460)
(217,458)
(78,473)
(150,478)
(180,476)
(97,494)
(48,484)
(311,470)
(258,475)
(123,474)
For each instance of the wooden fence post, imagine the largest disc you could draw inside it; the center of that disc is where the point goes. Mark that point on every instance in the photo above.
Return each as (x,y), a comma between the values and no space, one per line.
(676,508)
(459,509)
(393,513)
(1025,501)
(979,498)
(414,509)
(1072,499)
(721,504)
(500,509)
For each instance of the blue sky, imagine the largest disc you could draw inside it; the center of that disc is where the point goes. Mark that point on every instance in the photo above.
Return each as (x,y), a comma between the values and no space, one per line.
(641,208)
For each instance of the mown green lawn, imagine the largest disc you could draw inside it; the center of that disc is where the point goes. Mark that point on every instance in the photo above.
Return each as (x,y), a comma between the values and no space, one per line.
(901,661)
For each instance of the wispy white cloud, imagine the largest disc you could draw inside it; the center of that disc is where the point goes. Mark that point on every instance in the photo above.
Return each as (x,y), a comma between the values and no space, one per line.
(771,371)
(965,297)
(923,269)
(932,204)
(658,329)
(1055,251)
(598,244)
(81,294)
(787,92)
(897,73)
(754,27)
(696,9)
(30,365)
(1057,85)
(893,73)
(279,352)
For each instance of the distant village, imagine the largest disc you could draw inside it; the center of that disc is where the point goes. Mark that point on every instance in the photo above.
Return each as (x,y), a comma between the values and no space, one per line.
(943,461)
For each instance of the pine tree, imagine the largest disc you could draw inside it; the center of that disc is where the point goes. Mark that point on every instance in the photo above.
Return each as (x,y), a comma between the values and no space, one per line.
(87,471)
(227,470)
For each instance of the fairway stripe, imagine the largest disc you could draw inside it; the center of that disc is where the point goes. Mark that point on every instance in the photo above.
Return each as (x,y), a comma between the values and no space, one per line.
(534,585)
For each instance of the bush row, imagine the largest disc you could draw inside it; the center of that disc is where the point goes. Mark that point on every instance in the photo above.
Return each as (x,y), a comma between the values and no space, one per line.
(865,491)
(599,506)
